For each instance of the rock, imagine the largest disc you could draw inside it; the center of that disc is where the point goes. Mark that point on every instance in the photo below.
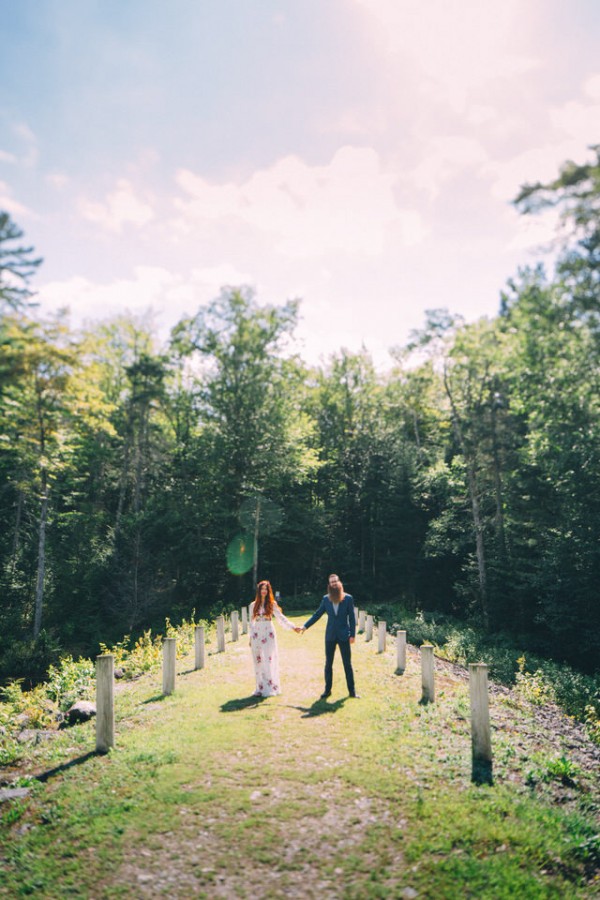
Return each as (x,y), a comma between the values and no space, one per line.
(34,735)
(119,673)
(82,711)
(13,793)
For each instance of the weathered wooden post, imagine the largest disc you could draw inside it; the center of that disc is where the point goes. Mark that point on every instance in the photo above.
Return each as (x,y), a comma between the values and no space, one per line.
(369,628)
(427,674)
(220,634)
(361,620)
(481,735)
(169,657)
(356,616)
(381,633)
(199,647)
(105,703)
(400,652)
(235,634)
(244,620)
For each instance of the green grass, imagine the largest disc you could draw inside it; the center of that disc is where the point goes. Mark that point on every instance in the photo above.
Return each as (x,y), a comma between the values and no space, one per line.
(209,794)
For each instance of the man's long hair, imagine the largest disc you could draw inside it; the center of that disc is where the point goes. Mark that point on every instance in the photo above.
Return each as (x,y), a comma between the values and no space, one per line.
(269,600)
(335,594)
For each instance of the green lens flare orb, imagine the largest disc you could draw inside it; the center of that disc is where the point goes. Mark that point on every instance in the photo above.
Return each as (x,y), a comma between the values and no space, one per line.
(240,554)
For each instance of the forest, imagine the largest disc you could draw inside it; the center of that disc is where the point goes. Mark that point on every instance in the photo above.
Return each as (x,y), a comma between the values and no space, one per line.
(142,479)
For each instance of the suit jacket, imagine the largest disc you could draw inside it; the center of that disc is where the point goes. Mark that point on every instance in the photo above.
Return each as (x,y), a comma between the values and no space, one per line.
(340,626)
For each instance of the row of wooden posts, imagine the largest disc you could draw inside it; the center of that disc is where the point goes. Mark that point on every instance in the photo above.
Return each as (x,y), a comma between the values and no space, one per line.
(478,679)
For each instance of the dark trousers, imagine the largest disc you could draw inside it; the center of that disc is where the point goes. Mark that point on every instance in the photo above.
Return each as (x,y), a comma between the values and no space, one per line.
(346,659)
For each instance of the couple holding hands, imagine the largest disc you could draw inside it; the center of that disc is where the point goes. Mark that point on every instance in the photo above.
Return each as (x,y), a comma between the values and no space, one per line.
(340,631)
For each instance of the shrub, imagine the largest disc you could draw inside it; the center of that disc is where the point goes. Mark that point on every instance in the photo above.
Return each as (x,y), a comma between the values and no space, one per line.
(71,680)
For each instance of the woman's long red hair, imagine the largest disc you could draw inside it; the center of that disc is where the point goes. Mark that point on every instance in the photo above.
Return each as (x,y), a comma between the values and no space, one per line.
(269,604)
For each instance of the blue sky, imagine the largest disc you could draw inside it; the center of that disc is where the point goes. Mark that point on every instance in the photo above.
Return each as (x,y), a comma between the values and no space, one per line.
(358,154)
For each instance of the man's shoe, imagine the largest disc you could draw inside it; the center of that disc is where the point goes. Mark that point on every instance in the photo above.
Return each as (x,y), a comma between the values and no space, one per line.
(325,695)
(355,696)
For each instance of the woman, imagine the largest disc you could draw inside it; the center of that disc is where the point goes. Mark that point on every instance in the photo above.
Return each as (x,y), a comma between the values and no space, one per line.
(263,641)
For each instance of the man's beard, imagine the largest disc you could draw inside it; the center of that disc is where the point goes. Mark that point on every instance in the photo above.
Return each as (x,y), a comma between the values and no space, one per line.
(336,593)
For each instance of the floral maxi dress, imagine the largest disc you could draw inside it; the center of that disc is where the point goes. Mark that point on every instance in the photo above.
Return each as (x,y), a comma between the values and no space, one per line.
(263,645)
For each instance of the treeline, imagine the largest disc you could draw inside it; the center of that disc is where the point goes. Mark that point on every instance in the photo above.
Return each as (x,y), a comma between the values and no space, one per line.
(141,481)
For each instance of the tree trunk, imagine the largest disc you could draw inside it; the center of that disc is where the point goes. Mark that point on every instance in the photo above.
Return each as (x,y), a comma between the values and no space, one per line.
(41,567)
(17,532)
(469,457)
(256,533)
(479,547)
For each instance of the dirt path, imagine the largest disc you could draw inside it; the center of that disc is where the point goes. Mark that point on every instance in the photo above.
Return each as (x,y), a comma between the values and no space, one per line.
(292,822)
(211,793)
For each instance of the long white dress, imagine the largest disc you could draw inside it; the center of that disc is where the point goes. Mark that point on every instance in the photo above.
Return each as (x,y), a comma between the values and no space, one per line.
(265,656)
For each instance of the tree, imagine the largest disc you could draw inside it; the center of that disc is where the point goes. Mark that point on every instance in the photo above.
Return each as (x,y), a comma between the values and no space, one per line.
(34,412)
(17,266)
(252,436)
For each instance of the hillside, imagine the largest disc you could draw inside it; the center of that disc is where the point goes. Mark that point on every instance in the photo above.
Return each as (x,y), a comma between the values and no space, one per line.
(212,793)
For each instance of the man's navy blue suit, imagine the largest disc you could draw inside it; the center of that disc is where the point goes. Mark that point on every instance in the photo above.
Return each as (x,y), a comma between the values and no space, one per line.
(341,626)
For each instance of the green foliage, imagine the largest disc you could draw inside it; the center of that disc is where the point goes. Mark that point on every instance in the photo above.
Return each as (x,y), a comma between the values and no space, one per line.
(465,481)
(557,768)
(70,681)
(17,265)
(143,656)
(534,686)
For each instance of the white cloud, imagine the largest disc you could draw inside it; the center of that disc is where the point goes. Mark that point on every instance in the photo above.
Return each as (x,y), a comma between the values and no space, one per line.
(57,180)
(347,206)
(10,205)
(149,288)
(579,120)
(453,48)
(164,293)
(444,158)
(591,87)
(28,138)
(121,207)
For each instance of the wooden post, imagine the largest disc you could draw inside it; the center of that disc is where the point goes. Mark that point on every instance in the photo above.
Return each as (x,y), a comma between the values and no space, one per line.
(356,616)
(105,703)
(400,652)
(199,646)
(361,620)
(481,736)
(369,629)
(169,656)
(220,634)
(381,633)
(244,620)
(427,674)
(235,634)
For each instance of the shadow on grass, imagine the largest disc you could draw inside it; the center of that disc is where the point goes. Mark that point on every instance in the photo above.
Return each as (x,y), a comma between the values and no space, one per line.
(481,772)
(320,708)
(155,698)
(242,703)
(50,773)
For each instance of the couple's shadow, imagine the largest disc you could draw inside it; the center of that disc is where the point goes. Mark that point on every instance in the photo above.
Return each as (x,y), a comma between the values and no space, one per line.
(318,708)
(242,703)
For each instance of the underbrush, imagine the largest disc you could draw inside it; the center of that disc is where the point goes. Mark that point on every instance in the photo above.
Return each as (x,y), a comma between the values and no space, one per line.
(537,679)
(70,680)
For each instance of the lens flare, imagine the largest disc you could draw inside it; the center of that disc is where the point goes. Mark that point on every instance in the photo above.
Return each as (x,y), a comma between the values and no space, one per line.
(240,554)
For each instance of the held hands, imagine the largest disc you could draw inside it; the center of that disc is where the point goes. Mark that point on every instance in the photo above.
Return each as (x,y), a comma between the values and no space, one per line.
(299,629)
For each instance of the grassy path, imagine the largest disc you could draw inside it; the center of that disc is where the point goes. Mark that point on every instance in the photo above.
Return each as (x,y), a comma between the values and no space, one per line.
(210,793)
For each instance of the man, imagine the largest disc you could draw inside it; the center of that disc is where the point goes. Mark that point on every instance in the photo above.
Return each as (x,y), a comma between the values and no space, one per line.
(340,631)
